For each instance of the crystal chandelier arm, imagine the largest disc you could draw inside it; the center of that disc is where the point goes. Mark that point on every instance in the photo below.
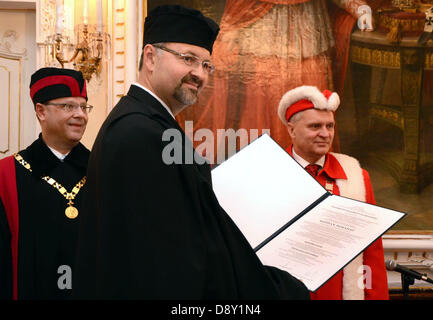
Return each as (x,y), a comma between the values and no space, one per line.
(59,53)
(88,52)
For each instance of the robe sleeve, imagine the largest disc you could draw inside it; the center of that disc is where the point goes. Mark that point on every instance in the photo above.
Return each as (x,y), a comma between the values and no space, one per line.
(374,258)
(289,287)
(5,256)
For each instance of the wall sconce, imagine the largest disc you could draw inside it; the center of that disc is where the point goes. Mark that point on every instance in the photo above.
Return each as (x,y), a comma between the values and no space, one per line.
(92,45)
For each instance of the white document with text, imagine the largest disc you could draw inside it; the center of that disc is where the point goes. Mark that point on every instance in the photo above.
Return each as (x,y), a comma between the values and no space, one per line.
(291,221)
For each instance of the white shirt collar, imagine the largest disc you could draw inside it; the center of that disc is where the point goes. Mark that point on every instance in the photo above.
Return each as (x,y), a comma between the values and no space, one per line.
(59,155)
(156,97)
(304,163)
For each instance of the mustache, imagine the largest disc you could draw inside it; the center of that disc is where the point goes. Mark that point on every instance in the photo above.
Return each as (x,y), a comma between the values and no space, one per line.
(192,79)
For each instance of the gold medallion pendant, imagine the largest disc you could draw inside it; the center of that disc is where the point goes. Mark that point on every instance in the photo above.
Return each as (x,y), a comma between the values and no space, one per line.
(71,212)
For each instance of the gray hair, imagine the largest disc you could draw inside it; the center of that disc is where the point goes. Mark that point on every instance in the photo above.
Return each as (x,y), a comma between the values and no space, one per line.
(140,64)
(296,117)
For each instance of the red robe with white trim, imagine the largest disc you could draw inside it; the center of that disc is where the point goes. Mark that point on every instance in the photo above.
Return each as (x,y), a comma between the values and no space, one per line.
(373,256)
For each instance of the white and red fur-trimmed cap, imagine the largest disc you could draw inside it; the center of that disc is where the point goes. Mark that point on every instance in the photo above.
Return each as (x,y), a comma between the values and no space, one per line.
(304,98)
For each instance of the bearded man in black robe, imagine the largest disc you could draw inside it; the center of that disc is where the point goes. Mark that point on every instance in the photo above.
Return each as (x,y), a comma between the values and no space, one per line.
(40,192)
(152,227)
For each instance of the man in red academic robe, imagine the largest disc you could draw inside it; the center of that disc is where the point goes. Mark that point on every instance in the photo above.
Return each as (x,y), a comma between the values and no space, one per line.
(309,116)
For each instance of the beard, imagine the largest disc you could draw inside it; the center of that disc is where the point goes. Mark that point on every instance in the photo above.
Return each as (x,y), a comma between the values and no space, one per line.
(187,96)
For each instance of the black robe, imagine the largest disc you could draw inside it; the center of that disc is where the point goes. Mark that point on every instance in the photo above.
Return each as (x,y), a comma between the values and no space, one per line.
(47,238)
(156,231)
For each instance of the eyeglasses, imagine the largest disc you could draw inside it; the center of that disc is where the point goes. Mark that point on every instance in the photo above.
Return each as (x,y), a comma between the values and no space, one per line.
(68,107)
(190,60)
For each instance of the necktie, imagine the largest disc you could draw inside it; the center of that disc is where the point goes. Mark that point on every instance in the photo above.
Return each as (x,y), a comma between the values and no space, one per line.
(312,169)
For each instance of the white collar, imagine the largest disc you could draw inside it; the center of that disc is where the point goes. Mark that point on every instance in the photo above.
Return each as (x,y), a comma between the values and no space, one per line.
(59,155)
(156,97)
(304,163)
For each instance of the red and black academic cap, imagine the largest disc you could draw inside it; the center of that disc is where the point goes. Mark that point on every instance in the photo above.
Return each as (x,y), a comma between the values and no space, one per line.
(174,23)
(52,83)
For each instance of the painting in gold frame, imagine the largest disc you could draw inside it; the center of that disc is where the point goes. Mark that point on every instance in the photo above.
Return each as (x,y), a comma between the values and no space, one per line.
(386,114)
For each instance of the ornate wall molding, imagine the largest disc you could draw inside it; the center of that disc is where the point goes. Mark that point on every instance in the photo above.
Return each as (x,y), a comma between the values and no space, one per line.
(414,251)
(119,50)
(5,112)
(125,22)
(47,18)
(11,69)
(8,46)
(11,103)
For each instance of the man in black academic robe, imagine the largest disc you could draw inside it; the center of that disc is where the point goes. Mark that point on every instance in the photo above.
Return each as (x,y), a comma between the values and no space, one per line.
(37,238)
(152,229)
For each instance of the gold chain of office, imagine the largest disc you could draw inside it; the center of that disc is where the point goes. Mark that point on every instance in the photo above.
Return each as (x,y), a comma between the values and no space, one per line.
(71,212)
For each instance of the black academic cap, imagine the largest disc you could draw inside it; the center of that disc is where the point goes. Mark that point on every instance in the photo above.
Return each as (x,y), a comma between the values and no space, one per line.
(175,23)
